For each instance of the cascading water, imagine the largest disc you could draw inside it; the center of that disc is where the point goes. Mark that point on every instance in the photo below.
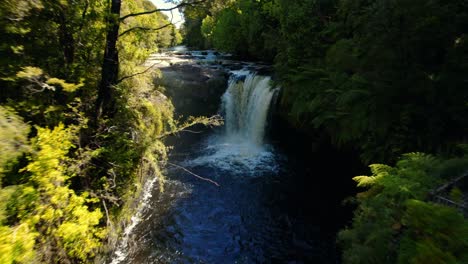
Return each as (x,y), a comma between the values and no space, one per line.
(261,210)
(246,105)
(238,149)
(240,146)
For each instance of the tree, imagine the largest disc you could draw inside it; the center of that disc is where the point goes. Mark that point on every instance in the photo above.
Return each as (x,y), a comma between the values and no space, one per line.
(110,66)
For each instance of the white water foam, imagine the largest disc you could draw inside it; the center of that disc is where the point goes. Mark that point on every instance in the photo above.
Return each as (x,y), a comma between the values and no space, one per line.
(235,155)
(121,253)
(240,148)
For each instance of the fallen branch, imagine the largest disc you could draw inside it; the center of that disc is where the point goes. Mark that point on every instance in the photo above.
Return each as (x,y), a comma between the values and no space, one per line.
(193,174)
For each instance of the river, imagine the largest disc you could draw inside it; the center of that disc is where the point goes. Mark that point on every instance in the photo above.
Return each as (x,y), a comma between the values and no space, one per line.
(275,203)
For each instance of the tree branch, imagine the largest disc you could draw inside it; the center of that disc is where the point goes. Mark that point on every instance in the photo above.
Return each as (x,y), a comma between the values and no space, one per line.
(215,120)
(191,131)
(144,28)
(448,184)
(197,176)
(161,9)
(83,15)
(107,213)
(138,73)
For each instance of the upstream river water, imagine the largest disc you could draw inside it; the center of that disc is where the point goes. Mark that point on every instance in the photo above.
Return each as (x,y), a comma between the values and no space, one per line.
(275,203)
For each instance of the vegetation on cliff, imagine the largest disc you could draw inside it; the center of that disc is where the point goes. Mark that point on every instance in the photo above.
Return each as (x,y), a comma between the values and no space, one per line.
(70,154)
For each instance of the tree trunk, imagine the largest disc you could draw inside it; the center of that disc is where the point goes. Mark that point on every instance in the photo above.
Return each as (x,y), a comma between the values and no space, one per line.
(110,65)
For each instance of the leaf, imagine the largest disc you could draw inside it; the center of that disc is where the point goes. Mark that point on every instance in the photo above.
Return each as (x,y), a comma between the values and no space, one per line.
(67,87)
(365,181)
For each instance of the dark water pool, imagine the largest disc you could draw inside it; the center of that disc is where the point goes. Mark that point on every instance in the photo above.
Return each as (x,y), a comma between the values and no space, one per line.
(285,208)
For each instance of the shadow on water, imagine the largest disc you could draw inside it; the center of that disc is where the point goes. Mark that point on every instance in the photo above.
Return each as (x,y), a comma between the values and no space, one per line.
(288,216)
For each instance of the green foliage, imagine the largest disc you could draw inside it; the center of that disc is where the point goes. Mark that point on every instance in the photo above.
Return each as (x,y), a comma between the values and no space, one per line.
(142,114)
(368,73)
(386,77)
(13,138)
(394,224)
(145,40)
(61,216)
(436,234)
(242,27)
(207,26)
(456,195)
(194,15)
(17,244)
(45,100)
(44,219)
(51,54)
(30,73)
(67,87)
(227,33)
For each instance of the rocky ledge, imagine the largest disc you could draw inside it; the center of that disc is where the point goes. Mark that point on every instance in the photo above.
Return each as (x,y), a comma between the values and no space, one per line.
(194,89)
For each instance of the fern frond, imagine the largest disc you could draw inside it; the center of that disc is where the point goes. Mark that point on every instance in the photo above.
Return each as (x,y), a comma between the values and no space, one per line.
(378,169)
(366,181)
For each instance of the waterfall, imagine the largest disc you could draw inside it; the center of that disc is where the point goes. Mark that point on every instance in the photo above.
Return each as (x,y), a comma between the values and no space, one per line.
(240,147)
(245,105)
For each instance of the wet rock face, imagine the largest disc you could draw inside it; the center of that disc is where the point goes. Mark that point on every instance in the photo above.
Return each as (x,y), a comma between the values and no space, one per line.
(194,89)
(196,80)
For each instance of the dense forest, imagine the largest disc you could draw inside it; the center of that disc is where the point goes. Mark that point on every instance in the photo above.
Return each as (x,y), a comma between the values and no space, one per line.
(78,132)
(82,123)
(383,77)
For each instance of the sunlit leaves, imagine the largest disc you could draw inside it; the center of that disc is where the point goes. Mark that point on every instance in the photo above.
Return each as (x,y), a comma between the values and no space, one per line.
(37,77)
(67,87)
(42,218)
(207,26)
(29,72)
(61,216)
(17,244)
(378,170)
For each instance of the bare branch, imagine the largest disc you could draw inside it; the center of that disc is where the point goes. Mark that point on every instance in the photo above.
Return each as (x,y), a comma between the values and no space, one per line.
(136,74)
(144,28)
(35,80)
(449,184)
(192,131)
(107,213)
(197,176)
(161,9)
(106,196)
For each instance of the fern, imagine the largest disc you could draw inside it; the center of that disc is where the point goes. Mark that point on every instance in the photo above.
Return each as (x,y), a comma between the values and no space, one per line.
(394,224)
(365,181)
